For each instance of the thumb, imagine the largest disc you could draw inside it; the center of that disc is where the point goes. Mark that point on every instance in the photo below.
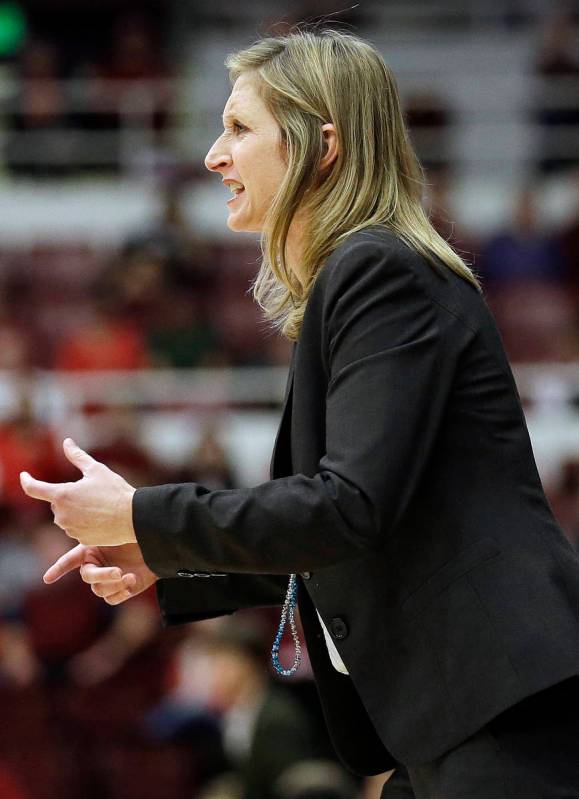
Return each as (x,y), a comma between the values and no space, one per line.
(77,456)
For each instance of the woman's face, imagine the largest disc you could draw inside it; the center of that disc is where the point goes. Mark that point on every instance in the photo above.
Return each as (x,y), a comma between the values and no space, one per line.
(248,156)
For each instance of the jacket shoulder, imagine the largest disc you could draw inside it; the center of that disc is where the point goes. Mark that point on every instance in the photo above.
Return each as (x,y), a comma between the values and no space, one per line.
(370,242)
(375,256)
(379,252)
(368,261)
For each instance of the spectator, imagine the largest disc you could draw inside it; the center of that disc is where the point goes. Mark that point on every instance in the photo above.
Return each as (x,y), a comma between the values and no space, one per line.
(182,337)
(106,342)
(15,338)
(263,727)
(26,443)
(558,114)
(209,464)
(537,322)
(138,285)
(84,674)
(130,87)
(119,435)
(428,118)
(165,279)
(523,252)
(569,242)
(40,145)
(186,258)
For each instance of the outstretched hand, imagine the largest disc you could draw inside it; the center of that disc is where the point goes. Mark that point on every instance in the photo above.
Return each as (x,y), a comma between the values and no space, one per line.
(96,510)
(114,573)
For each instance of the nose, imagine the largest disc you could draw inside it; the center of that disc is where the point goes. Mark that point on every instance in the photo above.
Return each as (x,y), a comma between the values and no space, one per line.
(217,158)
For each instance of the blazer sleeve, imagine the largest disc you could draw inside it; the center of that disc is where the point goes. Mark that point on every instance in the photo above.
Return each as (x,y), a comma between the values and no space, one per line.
(391,354)
(204,597)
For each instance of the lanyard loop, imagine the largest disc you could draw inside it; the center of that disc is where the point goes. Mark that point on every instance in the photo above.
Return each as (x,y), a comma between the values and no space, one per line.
(288,614)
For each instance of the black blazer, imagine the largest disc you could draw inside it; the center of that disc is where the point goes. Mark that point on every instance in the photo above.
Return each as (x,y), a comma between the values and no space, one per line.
(405,492)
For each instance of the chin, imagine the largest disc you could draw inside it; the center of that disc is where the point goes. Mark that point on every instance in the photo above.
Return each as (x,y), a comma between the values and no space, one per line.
(239,226)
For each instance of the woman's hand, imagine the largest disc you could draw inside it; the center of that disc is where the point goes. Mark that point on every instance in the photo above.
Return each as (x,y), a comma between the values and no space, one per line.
(113,573)
(97,509)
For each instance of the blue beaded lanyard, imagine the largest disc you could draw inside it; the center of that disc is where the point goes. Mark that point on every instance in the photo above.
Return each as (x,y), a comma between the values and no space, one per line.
(288,612)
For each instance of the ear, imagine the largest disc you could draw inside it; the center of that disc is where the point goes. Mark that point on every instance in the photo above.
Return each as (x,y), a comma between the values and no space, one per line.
(330,146)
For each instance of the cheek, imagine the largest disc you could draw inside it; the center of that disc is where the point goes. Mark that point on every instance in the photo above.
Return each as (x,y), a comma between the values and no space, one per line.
(263,170)
(268,188)
(271,180)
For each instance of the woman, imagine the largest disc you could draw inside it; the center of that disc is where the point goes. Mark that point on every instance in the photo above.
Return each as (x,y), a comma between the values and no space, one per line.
(440,600)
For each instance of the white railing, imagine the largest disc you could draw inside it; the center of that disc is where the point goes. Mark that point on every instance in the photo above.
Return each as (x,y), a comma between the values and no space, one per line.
(57,394)
(167,411)
(54,394)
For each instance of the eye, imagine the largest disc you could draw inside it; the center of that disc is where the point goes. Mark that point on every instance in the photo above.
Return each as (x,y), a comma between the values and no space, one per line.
(234,127)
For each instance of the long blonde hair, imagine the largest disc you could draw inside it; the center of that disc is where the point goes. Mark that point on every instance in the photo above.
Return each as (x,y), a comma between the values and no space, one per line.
(307,78)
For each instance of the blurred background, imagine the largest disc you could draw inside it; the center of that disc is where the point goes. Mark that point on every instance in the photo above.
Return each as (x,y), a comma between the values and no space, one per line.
(125,321)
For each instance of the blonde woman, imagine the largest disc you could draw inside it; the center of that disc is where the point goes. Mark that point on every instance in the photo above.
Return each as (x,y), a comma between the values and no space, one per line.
(439,598)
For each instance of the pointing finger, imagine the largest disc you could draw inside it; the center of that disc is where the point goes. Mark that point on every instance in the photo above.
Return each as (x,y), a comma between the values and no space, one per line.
(37,488)
(66,563)
(77,456)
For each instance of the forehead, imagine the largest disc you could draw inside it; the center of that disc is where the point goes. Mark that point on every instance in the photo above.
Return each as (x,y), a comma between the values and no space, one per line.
(245,99)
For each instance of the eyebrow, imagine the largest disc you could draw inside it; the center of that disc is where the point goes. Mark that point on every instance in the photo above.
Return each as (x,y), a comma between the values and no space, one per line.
(232,115)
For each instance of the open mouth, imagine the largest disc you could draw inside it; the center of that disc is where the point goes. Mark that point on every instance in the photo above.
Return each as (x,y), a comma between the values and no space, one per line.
(237,189)
(236,195)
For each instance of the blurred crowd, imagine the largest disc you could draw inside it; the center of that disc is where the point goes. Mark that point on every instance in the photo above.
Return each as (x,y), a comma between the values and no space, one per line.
(170,299)
(73,103)
(99,701)
(166,298)
(110,700)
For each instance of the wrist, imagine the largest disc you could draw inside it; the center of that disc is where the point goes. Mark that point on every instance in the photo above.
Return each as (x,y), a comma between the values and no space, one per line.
(128,515)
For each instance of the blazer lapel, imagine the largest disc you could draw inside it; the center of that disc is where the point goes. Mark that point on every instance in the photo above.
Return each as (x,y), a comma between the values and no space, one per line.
(280,465)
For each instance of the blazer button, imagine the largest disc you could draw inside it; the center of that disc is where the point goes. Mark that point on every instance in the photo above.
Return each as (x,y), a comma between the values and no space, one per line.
(204,575)
(306,575)
(339,628)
